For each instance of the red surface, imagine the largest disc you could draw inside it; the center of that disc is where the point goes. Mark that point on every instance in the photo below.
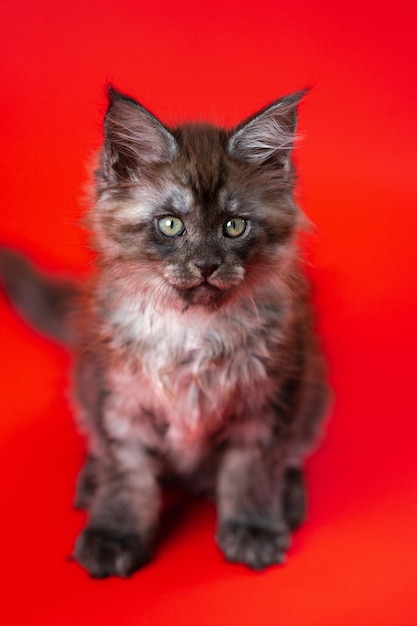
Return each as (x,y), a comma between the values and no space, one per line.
(354,562)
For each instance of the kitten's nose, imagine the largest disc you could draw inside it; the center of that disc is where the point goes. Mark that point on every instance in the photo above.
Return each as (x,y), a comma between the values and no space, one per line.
(206,269)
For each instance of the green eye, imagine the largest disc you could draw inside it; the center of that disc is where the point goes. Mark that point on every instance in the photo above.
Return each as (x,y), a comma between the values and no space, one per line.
(171,226)
(234,227)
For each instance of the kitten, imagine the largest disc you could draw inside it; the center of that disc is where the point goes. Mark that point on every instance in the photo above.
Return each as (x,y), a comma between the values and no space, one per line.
(195,355)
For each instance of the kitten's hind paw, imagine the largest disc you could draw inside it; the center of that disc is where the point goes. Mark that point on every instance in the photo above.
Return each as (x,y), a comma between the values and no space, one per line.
(106,553)
(255,546)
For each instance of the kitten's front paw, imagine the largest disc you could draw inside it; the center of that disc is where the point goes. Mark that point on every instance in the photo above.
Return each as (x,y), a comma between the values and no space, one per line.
(105,552)
(256,547)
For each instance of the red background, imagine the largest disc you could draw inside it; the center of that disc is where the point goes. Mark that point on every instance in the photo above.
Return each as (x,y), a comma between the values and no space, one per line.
(354,562)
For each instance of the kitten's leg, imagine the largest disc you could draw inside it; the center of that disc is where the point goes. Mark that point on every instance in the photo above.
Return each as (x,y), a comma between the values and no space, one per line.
(311,411)
(252,526)
(119,483)
(124,511)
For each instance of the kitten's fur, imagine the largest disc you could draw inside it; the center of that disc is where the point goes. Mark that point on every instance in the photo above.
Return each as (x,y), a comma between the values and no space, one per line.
(196,358)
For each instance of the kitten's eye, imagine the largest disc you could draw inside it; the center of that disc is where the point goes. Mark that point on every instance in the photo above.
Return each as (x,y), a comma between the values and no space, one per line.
(234,227)
(171,226)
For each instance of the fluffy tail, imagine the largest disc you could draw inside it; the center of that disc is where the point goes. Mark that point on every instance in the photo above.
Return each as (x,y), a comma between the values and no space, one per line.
(44,302)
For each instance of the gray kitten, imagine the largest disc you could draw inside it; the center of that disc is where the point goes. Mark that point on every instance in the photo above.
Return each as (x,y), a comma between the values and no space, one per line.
(195,356)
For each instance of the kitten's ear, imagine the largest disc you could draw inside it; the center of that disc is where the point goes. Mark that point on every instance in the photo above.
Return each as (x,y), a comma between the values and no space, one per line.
(268,136)
(133,137)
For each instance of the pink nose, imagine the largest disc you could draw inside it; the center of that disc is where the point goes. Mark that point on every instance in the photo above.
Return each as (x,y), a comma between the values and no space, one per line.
(206,270)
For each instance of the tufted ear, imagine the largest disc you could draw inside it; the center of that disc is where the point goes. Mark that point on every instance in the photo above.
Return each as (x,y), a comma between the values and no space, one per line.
(133,137)
(268,136)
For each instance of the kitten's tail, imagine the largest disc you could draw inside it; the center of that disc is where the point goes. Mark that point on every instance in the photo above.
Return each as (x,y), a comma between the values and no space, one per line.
(46,303)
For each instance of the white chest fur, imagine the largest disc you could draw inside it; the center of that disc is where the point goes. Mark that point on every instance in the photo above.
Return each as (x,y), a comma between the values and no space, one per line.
(193,369)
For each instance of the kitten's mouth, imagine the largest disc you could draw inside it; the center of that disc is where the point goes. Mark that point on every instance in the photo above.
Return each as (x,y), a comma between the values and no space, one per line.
(204,294)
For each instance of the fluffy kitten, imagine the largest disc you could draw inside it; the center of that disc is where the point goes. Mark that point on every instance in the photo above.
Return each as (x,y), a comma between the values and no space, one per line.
(195,356)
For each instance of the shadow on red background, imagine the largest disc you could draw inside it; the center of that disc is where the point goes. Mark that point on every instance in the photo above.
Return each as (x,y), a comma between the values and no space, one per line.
(354,562)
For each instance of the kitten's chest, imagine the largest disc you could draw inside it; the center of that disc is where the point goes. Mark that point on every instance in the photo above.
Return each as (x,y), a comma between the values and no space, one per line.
(192,374)
(200,364)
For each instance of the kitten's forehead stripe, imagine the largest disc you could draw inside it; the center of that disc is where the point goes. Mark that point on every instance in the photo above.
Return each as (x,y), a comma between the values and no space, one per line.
(202,156)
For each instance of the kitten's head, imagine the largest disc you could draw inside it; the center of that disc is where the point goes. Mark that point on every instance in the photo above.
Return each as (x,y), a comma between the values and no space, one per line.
(196,213)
